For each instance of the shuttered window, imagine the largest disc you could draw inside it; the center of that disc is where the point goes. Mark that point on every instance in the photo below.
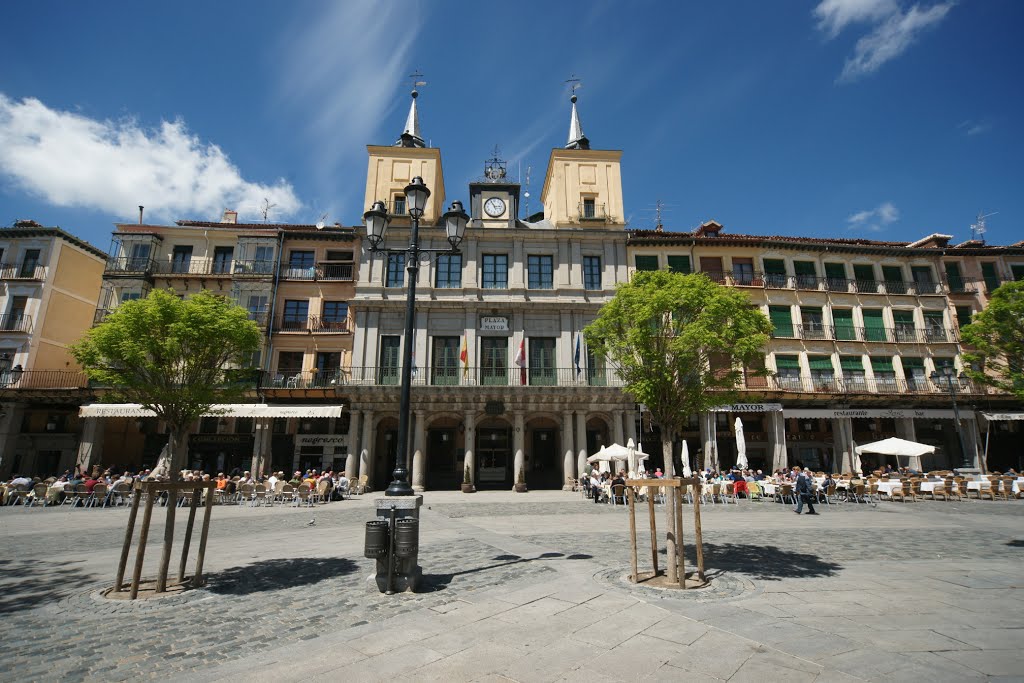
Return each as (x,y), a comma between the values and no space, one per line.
(842,318)
(874,328)
(782,319)
(646,262)
(678,264)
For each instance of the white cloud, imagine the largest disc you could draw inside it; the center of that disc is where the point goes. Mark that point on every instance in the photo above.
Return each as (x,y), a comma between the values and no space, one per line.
(71,160)
(893,30)
(874,220)
(972,127)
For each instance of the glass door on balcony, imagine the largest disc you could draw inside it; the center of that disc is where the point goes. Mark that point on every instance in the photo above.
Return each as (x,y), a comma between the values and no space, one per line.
(893,276)
(542,361)
(743,271)
(842,319)
(935,327)
(853,372)
(328,367)
(15,319)
(712,267)
(181,258)
(494,360)
(596,372)
(864,275)
(222,260)
(924,281)
(444,361)
(788,372)
(954,277)
(258,305)
(903,324)
(296,314)
(835,276)
(813,323)
(806,274)
(390,364)
(775,272)
(822,373)
(29,263)
(913,370)
(874,325)
(263,260)
(138,259)
(289,368)
(885,375)
(989,275)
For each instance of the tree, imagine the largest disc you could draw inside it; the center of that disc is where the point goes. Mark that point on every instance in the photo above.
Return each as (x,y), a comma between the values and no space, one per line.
(996,338)
(172,356)
(678,342)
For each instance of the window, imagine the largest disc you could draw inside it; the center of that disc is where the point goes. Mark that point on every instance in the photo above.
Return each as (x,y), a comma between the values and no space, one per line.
(963,316)
(954,278)
(130,295)
(865,277)
(395,275)
(540,271)
(16,315)
(775,272)
(296,311)
(222,259)
(290,362)
(806,274)
(679,264)
(495,271)
(449,271)
(591,272)
(711,266)
(139,259)
(244,425)
(1017,271)
(782,319)
(853,372)
(913,370)
(328,366)
(885,375)
(300,264)
(494,360)
(29,263)
(181,258)
(935,327)
(822,372)
(263,260)
(988,274)
(788,372)
(444,366)
(842,318)
(743,271)
(893,276)
(874,326)
(813,323)
(542,361)
(257,305)
(903,323)
(923,279)
(337,266)
(589,207)
(389,361)
(398,205)
(334,315)
(646,262)
(835,277)
(596,374)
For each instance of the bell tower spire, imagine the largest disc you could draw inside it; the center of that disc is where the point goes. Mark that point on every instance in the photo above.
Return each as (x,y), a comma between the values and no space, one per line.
(411,135)
(577,140)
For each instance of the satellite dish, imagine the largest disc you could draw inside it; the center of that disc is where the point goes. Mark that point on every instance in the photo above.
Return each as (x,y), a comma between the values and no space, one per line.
(526,194)
(320,223)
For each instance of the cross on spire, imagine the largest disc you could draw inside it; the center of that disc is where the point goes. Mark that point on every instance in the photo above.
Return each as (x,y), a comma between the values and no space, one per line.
(411,133)
(577,140)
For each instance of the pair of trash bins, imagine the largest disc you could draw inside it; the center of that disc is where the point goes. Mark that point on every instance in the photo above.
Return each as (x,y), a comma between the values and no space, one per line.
(406,533)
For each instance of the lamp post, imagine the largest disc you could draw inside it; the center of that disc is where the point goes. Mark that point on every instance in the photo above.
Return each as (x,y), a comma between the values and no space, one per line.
(377,220)
(947,375)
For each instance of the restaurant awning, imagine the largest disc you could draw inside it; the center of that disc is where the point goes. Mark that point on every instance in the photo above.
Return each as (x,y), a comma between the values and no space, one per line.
(1002,416)
(221,410)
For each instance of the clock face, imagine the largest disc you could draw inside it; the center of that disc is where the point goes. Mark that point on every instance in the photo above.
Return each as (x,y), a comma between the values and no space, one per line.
(494,206)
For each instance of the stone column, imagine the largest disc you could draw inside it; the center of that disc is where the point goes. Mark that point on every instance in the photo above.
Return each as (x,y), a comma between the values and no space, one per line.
(709,440)
(567,459)
(581,441)
(617,434)
(261,445)
(842,444)
(777,438)
(90,445)
(419,437)
(905,430)
(518,441)
(631,427)
(972,438)
(469,443)
(352,458)
(10,425)
(366,449)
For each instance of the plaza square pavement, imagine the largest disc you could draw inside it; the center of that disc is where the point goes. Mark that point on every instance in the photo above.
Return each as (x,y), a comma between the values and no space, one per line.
(528,587)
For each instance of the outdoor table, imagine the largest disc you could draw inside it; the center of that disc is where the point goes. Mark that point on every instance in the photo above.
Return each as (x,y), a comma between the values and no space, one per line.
(930,486)
(769,489)
(977,485)
(887,487)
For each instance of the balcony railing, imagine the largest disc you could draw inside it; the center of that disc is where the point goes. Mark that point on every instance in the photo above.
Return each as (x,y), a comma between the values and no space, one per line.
(22,271)
(195,266)
(589,211)
(100,315)
(321,271)
(826,384)
(962,285)
(446,376)
(260,318)
(253,268)
(128,265)
(42,379)
(15,322)
(897,335)
(320,325)
(831,284)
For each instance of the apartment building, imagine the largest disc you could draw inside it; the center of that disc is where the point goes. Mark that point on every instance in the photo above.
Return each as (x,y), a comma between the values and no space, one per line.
(50,283)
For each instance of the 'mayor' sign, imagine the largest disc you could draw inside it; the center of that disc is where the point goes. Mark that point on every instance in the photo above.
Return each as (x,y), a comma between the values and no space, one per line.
(493,322)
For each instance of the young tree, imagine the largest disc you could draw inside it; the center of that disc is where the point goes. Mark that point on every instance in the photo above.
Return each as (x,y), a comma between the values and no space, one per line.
(996,338)
(678,343)
(171,356)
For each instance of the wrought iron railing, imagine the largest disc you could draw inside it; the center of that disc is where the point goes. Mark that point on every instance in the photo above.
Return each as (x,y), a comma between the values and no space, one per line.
(253,268)
(590,211)
(15,379)
(321,325)
(891,335)
(129,265)
(27,270)
(320,271)
(833,384)
(195,266)
(15,322)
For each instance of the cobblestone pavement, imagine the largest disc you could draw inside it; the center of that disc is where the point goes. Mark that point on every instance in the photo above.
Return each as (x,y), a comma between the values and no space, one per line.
(282,590)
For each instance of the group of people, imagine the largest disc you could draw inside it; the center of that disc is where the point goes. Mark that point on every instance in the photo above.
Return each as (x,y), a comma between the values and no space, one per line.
(335,484)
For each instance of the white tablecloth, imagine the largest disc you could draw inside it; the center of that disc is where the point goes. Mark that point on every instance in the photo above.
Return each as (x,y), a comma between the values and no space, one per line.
(979,485)
(929,486)
(887,487)
(768,489)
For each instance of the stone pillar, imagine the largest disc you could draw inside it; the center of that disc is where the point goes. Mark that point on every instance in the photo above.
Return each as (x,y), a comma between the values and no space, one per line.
(518,441)
(617,434)
(419,438)
(567,460)
(972,438)
(777,439)
(261,444)
(469,443)
(10,425)
(905,430)
(842,444)
(90,445)
(366,449)
(631,428)
(581,441)
(352,458)
(709,440)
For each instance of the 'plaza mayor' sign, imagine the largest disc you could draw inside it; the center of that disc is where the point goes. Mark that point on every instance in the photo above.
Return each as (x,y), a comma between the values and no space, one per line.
(493,322)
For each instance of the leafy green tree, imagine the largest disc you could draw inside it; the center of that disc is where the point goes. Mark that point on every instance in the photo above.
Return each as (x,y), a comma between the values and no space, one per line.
(996,340)
(172,356)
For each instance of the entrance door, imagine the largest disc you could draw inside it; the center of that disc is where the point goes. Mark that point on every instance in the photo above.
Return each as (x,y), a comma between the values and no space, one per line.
(494,458)
(545,468)
(443,471)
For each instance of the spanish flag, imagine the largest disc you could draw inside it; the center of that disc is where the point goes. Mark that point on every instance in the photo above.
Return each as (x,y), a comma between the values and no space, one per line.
(464,356)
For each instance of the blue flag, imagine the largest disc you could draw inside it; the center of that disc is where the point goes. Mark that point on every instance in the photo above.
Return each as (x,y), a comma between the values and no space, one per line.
(576,357)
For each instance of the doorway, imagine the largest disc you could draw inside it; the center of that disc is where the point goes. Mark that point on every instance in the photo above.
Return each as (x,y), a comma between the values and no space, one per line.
(544,470)
(443,464)
(494,458)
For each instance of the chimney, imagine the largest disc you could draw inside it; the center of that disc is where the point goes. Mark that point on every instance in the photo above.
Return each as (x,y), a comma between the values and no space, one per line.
(229,216)
(141,207)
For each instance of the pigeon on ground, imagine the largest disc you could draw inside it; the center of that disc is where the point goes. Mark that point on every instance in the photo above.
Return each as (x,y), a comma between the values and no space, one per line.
(311,522)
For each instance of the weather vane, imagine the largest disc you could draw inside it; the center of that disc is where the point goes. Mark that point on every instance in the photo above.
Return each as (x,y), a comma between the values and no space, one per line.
(416,78)
(574,83)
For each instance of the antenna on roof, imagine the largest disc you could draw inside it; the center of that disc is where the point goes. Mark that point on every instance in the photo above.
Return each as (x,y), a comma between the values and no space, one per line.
(320,223)
(526,194)
(978,227)
(657,215)
(265,208)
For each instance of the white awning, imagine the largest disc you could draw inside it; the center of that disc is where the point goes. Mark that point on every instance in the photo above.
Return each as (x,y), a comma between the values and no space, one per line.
(1003,416)
(221,410)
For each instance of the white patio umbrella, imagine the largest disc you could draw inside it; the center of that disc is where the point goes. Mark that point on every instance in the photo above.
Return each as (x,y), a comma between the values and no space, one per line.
(899,448)
(687,472)
(741,447)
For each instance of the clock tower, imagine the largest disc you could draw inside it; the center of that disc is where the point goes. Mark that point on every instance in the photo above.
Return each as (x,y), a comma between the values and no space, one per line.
(494,199)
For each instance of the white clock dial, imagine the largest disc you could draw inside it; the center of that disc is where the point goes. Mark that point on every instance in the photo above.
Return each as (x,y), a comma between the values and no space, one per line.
(494,206)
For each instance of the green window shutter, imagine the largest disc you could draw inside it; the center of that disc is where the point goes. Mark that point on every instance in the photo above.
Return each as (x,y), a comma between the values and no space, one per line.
(820,363)
(774,266)
(988,273)
(787,362)
(903,317)
(853,363)
(874,328)
(933,318)
(646,262)
(842,318)
(953,277)
(882,365)
(679,264)
(835,270)
(804,268)
(782,319)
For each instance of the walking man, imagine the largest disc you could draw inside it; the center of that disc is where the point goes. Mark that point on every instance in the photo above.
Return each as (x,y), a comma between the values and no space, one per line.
(803,492)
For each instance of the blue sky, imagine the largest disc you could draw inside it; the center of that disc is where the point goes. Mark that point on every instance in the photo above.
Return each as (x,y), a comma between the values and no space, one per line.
(883,119)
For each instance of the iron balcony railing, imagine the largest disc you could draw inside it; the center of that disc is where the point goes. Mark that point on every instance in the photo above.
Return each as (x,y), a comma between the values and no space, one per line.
(589,211)
(896,335)
(741,278)
(321,271)
(850,384)
(14,379)
(260,318)
(15,322)
(450,376)
(128,265)
(195,266)
(253,268)
(312,323)
(28,270)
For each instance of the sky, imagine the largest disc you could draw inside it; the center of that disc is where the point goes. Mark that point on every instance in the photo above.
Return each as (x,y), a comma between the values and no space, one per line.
(882,119)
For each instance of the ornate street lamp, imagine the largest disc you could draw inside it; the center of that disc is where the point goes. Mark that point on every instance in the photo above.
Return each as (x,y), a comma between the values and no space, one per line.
(377,221)
(947,375)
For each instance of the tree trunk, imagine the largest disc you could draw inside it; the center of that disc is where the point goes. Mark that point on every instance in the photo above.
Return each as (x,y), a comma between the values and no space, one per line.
(670,517)
(172,457)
